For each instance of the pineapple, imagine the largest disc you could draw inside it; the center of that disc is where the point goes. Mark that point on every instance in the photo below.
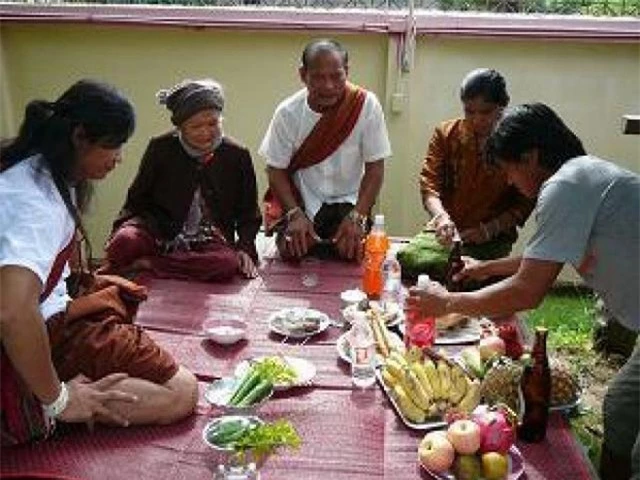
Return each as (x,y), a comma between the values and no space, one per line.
(502,382)
(564,386)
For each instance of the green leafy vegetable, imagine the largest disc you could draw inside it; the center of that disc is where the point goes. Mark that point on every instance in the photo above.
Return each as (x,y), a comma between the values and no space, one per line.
(276,370)
(264,439)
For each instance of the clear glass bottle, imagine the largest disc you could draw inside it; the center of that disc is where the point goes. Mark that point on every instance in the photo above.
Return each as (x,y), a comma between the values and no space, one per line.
(536,391)
(391,281)
(363,352)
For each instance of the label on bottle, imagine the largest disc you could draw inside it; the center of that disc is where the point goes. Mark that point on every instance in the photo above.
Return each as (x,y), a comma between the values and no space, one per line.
(361,355)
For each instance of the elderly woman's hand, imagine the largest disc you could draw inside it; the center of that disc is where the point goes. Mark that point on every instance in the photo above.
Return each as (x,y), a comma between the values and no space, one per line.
(444,228)
(431,301)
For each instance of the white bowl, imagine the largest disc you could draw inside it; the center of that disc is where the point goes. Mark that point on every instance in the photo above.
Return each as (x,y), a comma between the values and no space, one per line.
(226,331)
(352,297)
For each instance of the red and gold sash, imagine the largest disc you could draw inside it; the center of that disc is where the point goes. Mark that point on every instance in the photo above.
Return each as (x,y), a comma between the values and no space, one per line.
(333,128)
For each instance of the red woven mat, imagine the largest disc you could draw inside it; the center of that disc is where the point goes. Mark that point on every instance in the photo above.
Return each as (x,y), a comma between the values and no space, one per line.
(347,435)
(186,307)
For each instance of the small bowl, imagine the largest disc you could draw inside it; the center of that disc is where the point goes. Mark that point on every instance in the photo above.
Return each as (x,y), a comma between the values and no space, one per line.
(217,422)
(219,392)
(352,297)
(226,331)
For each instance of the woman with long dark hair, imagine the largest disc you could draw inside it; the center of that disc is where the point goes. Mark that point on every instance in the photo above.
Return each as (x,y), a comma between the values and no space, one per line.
(80,360)
(588,216)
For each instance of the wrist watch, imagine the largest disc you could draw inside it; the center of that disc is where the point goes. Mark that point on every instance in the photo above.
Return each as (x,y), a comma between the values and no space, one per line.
(53,410)
(359,219)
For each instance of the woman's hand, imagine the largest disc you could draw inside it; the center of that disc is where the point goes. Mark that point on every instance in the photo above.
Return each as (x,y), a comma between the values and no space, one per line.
(88,400)
(444,228)
(247,268)
(473,270)
(431,301)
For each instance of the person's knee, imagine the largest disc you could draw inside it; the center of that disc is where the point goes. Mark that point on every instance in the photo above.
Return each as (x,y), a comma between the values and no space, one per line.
(127,244)
(182,396)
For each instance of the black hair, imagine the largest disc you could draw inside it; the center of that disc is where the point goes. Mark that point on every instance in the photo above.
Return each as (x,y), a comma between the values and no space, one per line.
(486,83)
(535,125)
(323,45)
(106,118)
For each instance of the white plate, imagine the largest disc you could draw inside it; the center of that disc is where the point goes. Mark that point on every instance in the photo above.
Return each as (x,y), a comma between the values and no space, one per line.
(344,350)
(219,392)
(516,467)
(429,424)
(394,315)
(304,369)
(289,322)
(470,332)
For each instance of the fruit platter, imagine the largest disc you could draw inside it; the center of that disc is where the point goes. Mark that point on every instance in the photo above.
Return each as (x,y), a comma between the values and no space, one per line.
(424,388)
(499,366)
(475,446)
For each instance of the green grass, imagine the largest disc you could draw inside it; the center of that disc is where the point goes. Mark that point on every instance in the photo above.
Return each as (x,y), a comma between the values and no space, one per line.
(569,313)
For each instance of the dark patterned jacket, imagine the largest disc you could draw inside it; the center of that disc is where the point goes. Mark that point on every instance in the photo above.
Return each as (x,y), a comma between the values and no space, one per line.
(163,190)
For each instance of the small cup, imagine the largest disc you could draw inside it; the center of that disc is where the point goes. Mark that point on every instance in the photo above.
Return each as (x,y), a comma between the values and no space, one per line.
(352,297)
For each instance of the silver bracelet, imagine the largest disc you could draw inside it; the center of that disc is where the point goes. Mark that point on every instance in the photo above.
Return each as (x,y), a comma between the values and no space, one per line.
(53,410)
(291,212)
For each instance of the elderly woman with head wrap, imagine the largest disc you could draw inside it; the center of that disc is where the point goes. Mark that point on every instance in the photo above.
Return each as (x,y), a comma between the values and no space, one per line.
(192,210)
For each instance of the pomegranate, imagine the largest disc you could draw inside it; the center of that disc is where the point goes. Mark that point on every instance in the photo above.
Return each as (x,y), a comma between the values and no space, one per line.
(497,428)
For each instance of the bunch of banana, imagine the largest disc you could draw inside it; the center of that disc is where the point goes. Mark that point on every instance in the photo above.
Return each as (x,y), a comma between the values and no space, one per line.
(423,389)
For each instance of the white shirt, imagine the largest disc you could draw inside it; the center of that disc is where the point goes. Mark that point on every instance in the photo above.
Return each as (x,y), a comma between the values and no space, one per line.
(34,226)
(337,178)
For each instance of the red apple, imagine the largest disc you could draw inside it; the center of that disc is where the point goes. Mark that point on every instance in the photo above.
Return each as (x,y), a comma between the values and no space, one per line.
(491,346)
(436,452)
(464,435)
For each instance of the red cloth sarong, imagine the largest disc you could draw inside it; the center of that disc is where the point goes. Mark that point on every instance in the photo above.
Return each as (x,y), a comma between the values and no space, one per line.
(212,261)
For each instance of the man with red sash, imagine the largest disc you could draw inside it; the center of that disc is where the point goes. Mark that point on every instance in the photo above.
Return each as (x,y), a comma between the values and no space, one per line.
(318,144)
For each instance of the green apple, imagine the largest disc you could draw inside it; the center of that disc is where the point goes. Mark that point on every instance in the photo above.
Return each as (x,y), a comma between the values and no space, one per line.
(467,467)
(495,466)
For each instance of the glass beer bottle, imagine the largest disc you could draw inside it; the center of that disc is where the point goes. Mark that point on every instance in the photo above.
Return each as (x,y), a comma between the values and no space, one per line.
(455,264)
(536,392)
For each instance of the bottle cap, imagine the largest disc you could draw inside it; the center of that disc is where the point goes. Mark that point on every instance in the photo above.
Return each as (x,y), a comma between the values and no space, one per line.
(378,220)
(423,281)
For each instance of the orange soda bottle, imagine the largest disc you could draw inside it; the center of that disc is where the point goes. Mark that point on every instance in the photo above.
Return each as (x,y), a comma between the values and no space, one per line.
(375,250)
